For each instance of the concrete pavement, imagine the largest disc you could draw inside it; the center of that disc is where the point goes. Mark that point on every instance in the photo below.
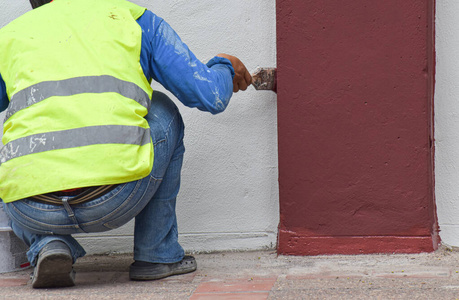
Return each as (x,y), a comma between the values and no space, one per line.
(261,275)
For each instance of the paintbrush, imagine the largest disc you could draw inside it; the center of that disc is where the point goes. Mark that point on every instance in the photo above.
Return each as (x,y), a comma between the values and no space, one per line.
(265,79)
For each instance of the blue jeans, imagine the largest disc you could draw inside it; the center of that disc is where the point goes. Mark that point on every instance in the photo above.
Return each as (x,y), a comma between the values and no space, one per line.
(150,200)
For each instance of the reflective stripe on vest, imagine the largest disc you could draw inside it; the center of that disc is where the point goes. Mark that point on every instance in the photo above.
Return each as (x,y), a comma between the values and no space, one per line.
(79,137)
(74,86)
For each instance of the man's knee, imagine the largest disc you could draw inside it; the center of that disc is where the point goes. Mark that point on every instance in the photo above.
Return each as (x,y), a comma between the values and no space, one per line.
(160,100)
(163,108)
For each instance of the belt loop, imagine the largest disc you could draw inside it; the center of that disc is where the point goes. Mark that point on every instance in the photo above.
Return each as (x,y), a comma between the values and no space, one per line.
(65,202)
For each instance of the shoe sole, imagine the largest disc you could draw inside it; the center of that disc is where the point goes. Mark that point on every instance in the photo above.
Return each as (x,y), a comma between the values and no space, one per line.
(54,270)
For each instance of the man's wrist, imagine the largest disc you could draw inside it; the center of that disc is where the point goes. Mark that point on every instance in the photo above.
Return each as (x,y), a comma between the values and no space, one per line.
(218,60)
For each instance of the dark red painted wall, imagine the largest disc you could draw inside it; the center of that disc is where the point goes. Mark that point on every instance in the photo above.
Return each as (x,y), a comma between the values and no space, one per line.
(355,85)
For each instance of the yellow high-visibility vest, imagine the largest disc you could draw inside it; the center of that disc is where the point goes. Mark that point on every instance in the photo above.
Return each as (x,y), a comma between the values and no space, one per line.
(78,97)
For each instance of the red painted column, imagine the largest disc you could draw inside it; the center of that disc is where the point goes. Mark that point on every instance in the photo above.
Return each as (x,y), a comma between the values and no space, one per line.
(355,86)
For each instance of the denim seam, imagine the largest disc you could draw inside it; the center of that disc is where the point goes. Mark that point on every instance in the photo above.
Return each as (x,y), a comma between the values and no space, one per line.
(133,207)
(162,260)
(165,139)
(102,220)
(30,229)
(170,123)
(160,141)
(38,223)
(40,208)
(167,129)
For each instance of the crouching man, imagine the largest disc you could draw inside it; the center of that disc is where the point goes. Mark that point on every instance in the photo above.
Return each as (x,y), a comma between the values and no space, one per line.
(88,145)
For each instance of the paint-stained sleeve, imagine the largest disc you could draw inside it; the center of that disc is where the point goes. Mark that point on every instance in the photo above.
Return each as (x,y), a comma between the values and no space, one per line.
(3,96)
(207,87)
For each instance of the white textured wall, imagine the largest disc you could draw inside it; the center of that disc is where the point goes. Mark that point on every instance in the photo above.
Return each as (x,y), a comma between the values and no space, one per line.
(229,196)
(447,120)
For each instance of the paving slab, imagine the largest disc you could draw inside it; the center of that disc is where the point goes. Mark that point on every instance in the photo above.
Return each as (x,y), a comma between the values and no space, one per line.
(260,275)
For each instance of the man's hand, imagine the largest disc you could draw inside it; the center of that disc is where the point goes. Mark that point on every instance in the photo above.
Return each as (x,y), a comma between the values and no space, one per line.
(242,78)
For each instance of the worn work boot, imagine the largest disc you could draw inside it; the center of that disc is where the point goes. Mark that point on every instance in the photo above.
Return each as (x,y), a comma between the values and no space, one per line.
(141,270)
(54,267)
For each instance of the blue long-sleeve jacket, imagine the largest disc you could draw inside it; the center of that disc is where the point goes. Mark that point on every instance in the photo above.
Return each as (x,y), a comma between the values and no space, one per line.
(166,59)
